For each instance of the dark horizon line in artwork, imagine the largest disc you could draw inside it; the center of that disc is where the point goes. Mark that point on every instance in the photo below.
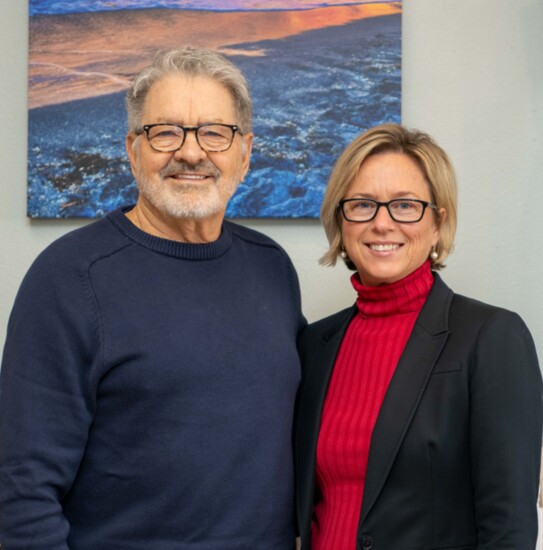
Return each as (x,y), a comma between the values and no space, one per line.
(45,7)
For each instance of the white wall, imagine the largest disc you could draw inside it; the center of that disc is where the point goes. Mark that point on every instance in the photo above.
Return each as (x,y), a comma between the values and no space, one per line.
(472,77)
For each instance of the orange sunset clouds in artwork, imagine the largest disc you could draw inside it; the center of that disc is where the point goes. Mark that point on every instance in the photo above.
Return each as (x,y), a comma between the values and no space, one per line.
(77,55)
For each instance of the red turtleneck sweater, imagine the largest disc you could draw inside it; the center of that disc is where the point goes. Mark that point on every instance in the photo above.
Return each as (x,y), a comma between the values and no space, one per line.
(369,353)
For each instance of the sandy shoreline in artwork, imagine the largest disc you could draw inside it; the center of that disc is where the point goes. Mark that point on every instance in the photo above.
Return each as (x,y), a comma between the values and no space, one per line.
(86,55)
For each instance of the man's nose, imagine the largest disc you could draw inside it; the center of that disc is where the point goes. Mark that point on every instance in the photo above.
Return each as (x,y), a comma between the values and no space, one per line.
(190,151)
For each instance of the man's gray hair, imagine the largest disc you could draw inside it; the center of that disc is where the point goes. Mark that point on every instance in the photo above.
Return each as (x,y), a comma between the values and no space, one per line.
(191,62)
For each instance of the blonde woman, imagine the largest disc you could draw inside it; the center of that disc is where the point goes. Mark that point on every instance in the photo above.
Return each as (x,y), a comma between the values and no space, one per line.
(420,411)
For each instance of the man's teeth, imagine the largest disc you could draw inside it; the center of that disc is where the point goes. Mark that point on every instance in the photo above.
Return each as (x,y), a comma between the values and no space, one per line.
(384,247)
(189,176)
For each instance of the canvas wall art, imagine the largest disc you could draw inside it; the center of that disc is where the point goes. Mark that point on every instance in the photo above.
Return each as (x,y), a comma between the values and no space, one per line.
(320,73)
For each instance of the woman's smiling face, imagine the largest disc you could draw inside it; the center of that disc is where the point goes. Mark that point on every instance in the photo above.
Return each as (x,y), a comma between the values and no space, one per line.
(385,251)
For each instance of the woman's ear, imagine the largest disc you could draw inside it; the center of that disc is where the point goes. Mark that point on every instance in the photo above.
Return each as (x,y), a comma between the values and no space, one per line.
(442,216)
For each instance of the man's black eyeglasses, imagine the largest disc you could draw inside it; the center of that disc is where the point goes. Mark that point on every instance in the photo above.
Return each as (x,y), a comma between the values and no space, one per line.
(212,138)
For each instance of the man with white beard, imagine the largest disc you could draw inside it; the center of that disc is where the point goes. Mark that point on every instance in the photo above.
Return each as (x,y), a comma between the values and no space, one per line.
(150,369)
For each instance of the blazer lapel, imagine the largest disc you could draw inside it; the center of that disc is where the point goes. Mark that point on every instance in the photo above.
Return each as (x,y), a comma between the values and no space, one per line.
(320,358)
(406,389)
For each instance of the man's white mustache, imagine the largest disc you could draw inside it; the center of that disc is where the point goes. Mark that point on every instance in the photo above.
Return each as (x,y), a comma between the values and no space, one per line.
(205,168)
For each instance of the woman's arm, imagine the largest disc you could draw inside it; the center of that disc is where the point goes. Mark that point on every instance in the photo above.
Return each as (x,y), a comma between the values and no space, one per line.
(506,426)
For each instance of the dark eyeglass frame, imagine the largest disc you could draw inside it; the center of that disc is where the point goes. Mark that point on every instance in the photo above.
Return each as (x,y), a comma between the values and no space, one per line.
(425,205)
(195,129)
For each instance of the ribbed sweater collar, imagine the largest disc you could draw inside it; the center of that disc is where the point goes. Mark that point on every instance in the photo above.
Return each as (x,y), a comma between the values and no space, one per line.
(404,296)
(186,251)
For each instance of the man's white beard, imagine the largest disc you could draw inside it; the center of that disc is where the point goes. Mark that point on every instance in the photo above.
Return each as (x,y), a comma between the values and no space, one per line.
(187,200)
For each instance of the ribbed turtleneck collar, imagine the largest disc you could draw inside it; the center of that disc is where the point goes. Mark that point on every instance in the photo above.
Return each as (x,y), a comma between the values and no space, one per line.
(404,296)
(187,251)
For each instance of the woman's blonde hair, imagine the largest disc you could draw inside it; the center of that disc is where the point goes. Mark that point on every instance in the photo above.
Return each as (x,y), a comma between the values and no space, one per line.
(392,138)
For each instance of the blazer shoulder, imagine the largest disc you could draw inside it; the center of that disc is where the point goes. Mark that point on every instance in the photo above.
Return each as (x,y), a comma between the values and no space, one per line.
(326,328)
(471,311)
(463,310)
(484,324)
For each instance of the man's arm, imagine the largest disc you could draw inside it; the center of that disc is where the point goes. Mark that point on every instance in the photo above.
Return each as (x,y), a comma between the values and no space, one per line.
(46,403)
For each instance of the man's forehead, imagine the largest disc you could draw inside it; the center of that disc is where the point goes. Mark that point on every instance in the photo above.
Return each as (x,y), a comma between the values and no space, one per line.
(188,95)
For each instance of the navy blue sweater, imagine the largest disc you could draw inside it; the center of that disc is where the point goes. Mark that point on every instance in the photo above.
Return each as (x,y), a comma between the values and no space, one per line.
(147,392)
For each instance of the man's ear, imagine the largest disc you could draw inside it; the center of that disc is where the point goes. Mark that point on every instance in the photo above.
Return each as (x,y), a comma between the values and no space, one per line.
(247,147)
(131,149)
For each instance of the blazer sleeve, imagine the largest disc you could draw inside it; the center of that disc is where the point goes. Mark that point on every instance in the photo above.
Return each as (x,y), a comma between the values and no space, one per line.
(505,435)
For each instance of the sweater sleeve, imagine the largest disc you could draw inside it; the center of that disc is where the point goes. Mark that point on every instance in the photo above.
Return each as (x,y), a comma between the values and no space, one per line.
(506,424)
(297,295)
(46,401)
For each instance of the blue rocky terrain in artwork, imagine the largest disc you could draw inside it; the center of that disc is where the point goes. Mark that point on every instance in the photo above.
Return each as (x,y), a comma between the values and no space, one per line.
(313,93)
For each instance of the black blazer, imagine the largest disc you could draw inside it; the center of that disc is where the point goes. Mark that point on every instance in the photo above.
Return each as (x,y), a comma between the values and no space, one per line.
(455,452)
